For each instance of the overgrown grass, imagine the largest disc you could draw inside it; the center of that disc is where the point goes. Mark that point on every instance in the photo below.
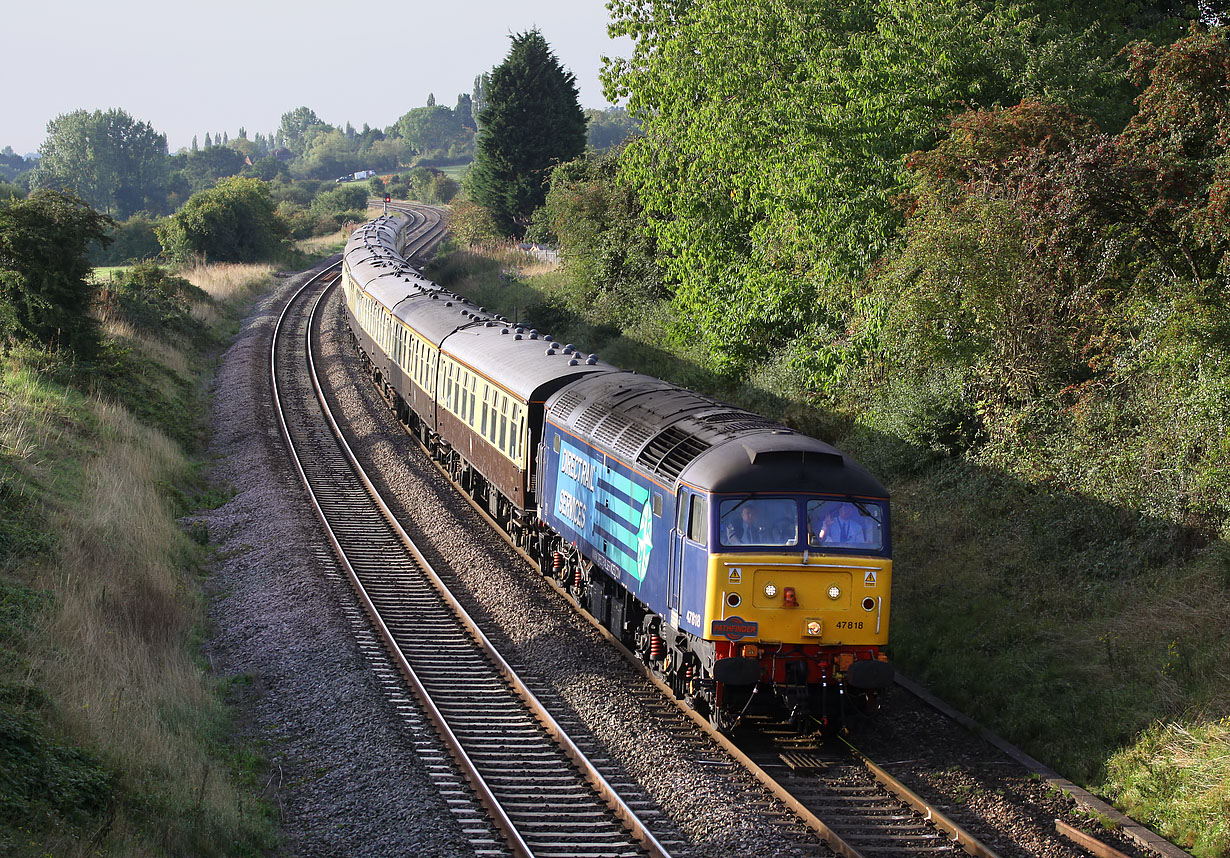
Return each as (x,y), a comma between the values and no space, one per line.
(1079,626)
(1178,774)
(113,735)
(230,286)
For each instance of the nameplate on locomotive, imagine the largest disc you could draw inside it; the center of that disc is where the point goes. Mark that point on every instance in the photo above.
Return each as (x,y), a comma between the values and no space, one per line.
(734,628)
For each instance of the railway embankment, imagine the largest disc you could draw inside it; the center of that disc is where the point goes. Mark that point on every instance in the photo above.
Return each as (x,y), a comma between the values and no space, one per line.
(1076,626)
(114,731)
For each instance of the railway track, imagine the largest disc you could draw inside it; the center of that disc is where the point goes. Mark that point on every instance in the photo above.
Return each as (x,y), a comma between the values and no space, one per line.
(542,794)
(855,806)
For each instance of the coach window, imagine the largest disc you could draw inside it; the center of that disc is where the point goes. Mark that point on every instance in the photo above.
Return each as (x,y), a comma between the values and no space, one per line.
(503,442)
(518,430)
(486,394)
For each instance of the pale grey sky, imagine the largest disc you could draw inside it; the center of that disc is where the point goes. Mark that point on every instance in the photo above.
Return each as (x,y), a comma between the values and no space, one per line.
(215,66)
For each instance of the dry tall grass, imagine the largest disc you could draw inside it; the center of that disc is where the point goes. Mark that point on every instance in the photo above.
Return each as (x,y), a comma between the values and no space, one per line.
(228,284)
(153,348)
(118,660)
(115,655)
(325,244)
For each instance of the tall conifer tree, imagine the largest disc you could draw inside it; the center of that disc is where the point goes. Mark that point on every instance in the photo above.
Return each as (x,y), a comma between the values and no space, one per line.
(531,122)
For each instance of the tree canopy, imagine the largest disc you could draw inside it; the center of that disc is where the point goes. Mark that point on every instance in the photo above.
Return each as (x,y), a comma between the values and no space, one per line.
(531,121)
(298,128)
(115,163)
(436,131)
(775,133)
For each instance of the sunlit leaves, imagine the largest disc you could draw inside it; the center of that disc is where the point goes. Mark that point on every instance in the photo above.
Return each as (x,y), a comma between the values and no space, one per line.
(776,132)
(233,222)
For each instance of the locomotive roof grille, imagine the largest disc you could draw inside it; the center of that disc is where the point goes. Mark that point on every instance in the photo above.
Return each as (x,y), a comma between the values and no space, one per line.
(734,423)
(567,403)
(592,416)
(671,451)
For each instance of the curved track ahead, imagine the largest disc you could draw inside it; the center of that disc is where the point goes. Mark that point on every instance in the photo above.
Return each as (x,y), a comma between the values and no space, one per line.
(540,791)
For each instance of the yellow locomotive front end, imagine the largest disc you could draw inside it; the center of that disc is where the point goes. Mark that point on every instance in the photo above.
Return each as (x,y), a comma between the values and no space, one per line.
(798,602)
(827,600)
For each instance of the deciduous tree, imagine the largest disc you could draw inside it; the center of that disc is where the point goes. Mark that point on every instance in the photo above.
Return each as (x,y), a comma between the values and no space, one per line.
(775,134)
(110,160)
(298,128)
(233,222)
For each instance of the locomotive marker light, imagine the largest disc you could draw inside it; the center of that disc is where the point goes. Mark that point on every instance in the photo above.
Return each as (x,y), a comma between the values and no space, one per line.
(770,590)
(788,598)
(834,592)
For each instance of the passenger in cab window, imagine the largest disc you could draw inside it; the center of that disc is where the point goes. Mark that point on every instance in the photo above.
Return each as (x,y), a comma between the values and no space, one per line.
(842,525)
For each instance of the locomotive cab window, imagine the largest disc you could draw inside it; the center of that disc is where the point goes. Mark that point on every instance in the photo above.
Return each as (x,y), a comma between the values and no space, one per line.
(759,522)
(845,524)
(698,520)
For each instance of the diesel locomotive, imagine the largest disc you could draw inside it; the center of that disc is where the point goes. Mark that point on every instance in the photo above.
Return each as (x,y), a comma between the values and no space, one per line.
(748,565)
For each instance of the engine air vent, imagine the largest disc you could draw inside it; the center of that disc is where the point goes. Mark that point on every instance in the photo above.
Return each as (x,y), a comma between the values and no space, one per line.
(672,450)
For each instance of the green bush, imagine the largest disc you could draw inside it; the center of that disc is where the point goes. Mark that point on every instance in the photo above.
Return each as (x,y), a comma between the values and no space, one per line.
(233,222)
(150,298)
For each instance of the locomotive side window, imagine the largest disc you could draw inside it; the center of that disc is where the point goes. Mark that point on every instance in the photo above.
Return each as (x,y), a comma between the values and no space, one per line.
(698,520)
(759,521)
(845,524)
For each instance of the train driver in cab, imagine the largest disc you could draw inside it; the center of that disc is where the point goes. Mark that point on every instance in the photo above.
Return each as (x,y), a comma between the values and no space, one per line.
(759,522)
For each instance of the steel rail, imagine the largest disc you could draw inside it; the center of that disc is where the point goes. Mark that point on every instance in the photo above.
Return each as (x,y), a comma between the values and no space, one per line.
(960,836)
(636,828)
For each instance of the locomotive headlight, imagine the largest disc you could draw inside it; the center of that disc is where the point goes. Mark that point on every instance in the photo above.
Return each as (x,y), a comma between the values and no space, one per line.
(770,590)
(813,628)
(834,592)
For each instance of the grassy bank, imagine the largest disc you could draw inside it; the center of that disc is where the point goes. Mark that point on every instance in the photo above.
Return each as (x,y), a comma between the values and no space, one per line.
(113,735)
(1090,633)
